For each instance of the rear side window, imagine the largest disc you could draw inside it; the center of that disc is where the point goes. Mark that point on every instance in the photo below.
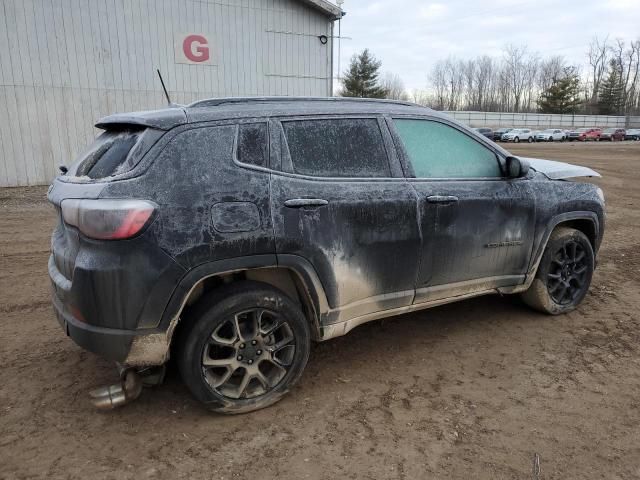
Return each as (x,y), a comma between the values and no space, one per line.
(437,150)
(350,147)
(108,154)
(252,144)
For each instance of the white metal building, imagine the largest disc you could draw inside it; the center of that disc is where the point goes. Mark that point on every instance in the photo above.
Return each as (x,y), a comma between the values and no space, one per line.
(66,63)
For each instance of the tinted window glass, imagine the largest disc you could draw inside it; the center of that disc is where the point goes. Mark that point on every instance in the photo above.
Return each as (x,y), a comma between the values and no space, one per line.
(439,151)
(252,144)
(107,154)
(337,148)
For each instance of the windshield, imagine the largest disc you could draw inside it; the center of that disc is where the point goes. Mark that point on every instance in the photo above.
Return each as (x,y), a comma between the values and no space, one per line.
(548,131)
(610,130)
(583,129)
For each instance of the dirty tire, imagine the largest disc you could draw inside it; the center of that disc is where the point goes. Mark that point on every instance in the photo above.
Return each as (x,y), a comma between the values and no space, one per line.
(543,293)
(211,328)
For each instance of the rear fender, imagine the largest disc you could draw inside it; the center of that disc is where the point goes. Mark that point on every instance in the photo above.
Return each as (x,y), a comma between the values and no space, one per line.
(153,348)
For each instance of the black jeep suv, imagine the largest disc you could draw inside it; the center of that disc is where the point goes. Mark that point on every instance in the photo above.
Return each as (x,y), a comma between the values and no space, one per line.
(230,233)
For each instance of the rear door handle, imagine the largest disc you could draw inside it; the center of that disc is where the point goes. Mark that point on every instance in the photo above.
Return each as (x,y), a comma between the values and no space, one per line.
(305,203)
(442,199)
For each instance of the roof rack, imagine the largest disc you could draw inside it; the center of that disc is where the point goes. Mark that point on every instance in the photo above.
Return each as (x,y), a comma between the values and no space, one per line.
(215,102)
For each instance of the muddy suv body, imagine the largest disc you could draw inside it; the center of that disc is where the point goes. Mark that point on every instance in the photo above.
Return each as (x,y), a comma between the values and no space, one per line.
(310,216)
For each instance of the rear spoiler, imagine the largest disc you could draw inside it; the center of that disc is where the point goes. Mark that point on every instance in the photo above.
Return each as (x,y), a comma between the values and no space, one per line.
(164,119)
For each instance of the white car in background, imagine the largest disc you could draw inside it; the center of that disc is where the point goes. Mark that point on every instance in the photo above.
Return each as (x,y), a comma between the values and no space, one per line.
(519,135)
(551,135)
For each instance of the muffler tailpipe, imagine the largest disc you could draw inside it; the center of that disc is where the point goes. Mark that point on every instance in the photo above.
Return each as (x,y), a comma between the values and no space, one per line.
(112,396)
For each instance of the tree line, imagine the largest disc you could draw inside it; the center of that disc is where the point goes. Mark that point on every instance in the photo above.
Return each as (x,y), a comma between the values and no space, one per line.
(517,81)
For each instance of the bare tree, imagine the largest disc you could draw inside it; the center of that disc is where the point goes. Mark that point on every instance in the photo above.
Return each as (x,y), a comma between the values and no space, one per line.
(516,73)
(438,81)
(598,56)
(627,59)
(394,86)
(455,82)
(484,81)
(514,82)
(549,71)
(421,97)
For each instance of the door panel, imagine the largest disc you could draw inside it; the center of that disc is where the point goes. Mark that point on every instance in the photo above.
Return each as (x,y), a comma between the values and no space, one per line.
(482,240)
(363,243)
(360,234)
(477,227)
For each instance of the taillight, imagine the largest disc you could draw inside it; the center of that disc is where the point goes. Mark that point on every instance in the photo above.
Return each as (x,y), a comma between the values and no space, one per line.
(107,219)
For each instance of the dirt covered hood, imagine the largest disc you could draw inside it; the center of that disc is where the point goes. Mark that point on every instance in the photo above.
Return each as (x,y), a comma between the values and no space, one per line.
(559,170)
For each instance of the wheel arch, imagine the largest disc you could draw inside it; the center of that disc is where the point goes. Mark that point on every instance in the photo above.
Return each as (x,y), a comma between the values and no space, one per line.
(584,221)
(289,273)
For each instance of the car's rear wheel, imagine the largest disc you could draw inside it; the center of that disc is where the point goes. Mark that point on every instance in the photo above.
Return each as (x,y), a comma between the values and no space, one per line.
(243,348)
(564,273)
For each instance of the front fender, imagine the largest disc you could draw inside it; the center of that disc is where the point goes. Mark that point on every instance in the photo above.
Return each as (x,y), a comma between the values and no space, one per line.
(557,220)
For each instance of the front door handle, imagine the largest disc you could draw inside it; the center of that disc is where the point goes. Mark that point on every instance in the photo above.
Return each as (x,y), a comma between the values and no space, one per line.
(305,203)
(442,199)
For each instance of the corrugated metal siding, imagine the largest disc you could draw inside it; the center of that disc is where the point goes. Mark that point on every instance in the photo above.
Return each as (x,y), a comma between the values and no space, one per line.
(66,63)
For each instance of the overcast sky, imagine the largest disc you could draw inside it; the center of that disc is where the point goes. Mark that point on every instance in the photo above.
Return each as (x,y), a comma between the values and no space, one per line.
(410,35)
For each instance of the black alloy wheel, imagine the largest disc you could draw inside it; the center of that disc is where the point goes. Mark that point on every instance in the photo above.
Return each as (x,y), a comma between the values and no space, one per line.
(567,275)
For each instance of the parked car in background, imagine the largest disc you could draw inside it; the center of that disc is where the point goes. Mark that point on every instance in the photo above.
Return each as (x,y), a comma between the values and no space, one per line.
(487,132)
(497,134)
(230,233)
(551,135)
(613,134)
(584,134)
(632,134)
(518,135)
(534,134)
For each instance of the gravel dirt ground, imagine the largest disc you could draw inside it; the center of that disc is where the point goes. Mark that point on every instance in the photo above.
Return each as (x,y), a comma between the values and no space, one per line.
(469,390)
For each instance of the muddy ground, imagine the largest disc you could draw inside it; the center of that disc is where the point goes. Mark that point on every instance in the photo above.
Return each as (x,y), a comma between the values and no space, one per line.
(469,390)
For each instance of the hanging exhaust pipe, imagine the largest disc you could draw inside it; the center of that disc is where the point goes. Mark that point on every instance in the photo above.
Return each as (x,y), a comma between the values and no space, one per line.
(113,396)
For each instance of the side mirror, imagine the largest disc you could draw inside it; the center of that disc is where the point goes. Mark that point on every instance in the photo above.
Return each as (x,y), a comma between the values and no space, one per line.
(517,167)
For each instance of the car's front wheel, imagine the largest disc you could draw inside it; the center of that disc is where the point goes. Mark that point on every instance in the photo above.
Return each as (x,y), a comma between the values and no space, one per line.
(243,347)
(564,273)
(530,140)
(516,140)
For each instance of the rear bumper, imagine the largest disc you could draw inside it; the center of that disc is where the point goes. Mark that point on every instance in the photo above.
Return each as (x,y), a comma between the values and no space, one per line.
(111,344)
(114,296)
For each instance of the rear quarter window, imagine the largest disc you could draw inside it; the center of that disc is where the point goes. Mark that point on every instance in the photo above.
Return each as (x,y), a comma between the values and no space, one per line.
(253,144)
(108,154)
(349,147)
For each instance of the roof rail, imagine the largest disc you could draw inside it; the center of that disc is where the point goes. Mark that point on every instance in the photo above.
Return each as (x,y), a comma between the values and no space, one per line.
(214,102)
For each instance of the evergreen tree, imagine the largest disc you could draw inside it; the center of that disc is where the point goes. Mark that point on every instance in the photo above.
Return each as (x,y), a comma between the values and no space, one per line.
(563,96)
(611,93)
(361,79)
